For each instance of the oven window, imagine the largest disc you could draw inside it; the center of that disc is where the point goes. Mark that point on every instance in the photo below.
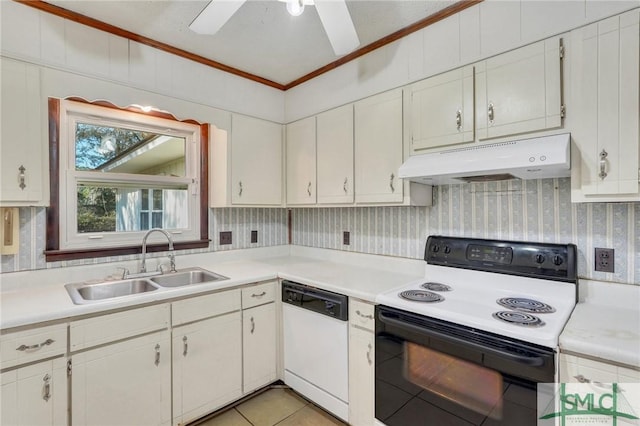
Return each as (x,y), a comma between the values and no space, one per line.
(463,383)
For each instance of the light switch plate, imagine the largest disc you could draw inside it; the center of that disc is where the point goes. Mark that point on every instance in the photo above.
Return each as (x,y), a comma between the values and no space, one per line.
(225,238)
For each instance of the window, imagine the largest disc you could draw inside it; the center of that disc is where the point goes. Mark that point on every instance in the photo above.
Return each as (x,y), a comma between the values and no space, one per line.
(121,173)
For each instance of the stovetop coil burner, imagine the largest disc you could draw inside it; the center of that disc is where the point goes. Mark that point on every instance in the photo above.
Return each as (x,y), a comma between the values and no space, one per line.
(435,286)
(519,318)
(421,296)
(525,305)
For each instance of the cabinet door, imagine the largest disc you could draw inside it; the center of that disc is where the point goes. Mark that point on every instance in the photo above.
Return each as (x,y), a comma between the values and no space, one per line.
(378,148)
(256,161)
(361,377)
(259,346)
(335,156)
(21,139)
(126,383)
(35,395)
(442,110)
(301,162)
(207,369)
(519,91)
(605,93)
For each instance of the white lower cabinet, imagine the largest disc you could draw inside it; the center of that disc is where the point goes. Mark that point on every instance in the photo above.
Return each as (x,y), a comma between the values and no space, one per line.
(259,346)
(577,369)
(207,370)
(361,364)
(124,383)
(35,394)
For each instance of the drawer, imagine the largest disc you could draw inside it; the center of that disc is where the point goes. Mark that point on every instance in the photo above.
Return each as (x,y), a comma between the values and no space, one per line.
(32,345)
(211,305)
(361,314)
(258,294)
(122,325)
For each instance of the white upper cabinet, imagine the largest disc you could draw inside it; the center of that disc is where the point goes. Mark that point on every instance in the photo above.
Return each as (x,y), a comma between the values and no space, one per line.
(378,148)
(442,110)
(301,162)
(22,143)
(246,169)
(604,121)
(519,91)
(335,156)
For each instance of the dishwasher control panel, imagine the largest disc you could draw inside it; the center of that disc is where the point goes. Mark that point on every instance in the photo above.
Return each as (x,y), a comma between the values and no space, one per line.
(314,299)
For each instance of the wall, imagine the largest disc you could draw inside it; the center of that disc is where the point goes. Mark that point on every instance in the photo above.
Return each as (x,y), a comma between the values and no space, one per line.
(271,225)
(535,210)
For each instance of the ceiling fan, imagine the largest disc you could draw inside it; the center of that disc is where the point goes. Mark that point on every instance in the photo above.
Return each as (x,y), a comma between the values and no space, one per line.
(334,16)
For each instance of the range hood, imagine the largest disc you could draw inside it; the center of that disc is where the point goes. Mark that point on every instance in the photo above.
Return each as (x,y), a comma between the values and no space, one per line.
(536,158)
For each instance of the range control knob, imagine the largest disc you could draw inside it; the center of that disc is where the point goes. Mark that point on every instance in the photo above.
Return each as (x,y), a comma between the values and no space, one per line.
(539,258)
(435,249)
(558,260)
(447,249)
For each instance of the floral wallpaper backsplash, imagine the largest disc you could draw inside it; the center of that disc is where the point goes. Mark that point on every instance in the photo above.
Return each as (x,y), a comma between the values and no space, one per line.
(534,210)
(271,225)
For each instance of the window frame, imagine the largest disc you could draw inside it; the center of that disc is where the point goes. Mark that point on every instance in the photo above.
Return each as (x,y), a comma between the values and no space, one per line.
(58,246)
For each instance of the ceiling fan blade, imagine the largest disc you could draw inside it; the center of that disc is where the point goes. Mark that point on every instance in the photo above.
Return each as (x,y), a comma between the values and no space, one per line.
(338,25)
(215,15)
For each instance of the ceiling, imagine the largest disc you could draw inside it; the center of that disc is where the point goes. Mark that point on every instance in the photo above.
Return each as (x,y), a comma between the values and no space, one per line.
(261,38)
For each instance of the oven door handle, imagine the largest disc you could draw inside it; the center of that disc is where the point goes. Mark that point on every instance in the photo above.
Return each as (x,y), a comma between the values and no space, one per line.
(535,361)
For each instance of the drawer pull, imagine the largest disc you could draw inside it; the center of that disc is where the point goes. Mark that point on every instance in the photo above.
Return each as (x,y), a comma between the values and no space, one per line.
(34,347)
(21,177)
(46,388)
(360,314)
(259,295)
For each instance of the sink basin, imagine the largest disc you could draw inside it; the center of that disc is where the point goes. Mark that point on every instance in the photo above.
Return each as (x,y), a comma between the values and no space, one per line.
(85,293)
(187,277)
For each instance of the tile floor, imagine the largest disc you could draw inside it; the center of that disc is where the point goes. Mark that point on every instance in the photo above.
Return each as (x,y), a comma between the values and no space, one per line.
(277,406)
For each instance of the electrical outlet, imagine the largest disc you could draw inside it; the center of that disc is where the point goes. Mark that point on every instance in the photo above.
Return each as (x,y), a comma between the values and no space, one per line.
(346,238)
(254,236)
(605,259)
(225,238)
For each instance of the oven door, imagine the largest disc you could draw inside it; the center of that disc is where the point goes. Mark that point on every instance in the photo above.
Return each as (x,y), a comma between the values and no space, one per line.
(432,372)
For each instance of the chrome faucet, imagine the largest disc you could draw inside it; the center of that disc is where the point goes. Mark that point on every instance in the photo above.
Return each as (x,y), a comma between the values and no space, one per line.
(172,258)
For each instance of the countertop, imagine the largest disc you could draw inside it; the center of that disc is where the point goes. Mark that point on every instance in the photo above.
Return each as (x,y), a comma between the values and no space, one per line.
(35,297)
(605,324)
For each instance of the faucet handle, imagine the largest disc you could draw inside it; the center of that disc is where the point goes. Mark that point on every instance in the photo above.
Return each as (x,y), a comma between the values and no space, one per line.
(125,272)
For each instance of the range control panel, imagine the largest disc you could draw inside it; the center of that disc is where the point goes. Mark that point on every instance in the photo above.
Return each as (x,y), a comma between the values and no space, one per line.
(531,259)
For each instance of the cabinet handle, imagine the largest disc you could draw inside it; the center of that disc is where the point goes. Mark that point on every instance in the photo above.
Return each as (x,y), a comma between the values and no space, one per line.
(603,164)
(240,191)
(459,120)
(369,354)
(46,388)
(157,361)
(259,295)
(33,347)
(21,177)
(309,189)
(344,185)
(491,113)
(393,189)
(253,325)
(185,346)
(360,314)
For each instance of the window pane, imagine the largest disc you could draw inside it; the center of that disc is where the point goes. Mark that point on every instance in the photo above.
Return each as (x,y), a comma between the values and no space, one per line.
(108,209)
(157,200)
(145,199)
(119,150)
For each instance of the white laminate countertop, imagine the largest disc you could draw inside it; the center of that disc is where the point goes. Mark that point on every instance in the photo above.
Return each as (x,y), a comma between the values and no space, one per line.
(605,324)
(33,297)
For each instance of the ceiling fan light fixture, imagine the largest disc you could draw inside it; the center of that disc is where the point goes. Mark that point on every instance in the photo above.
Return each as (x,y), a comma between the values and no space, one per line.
(295,7)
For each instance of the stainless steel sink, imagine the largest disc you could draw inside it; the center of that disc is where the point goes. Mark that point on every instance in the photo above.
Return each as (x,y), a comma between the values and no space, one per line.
(187,277)
(82,293)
